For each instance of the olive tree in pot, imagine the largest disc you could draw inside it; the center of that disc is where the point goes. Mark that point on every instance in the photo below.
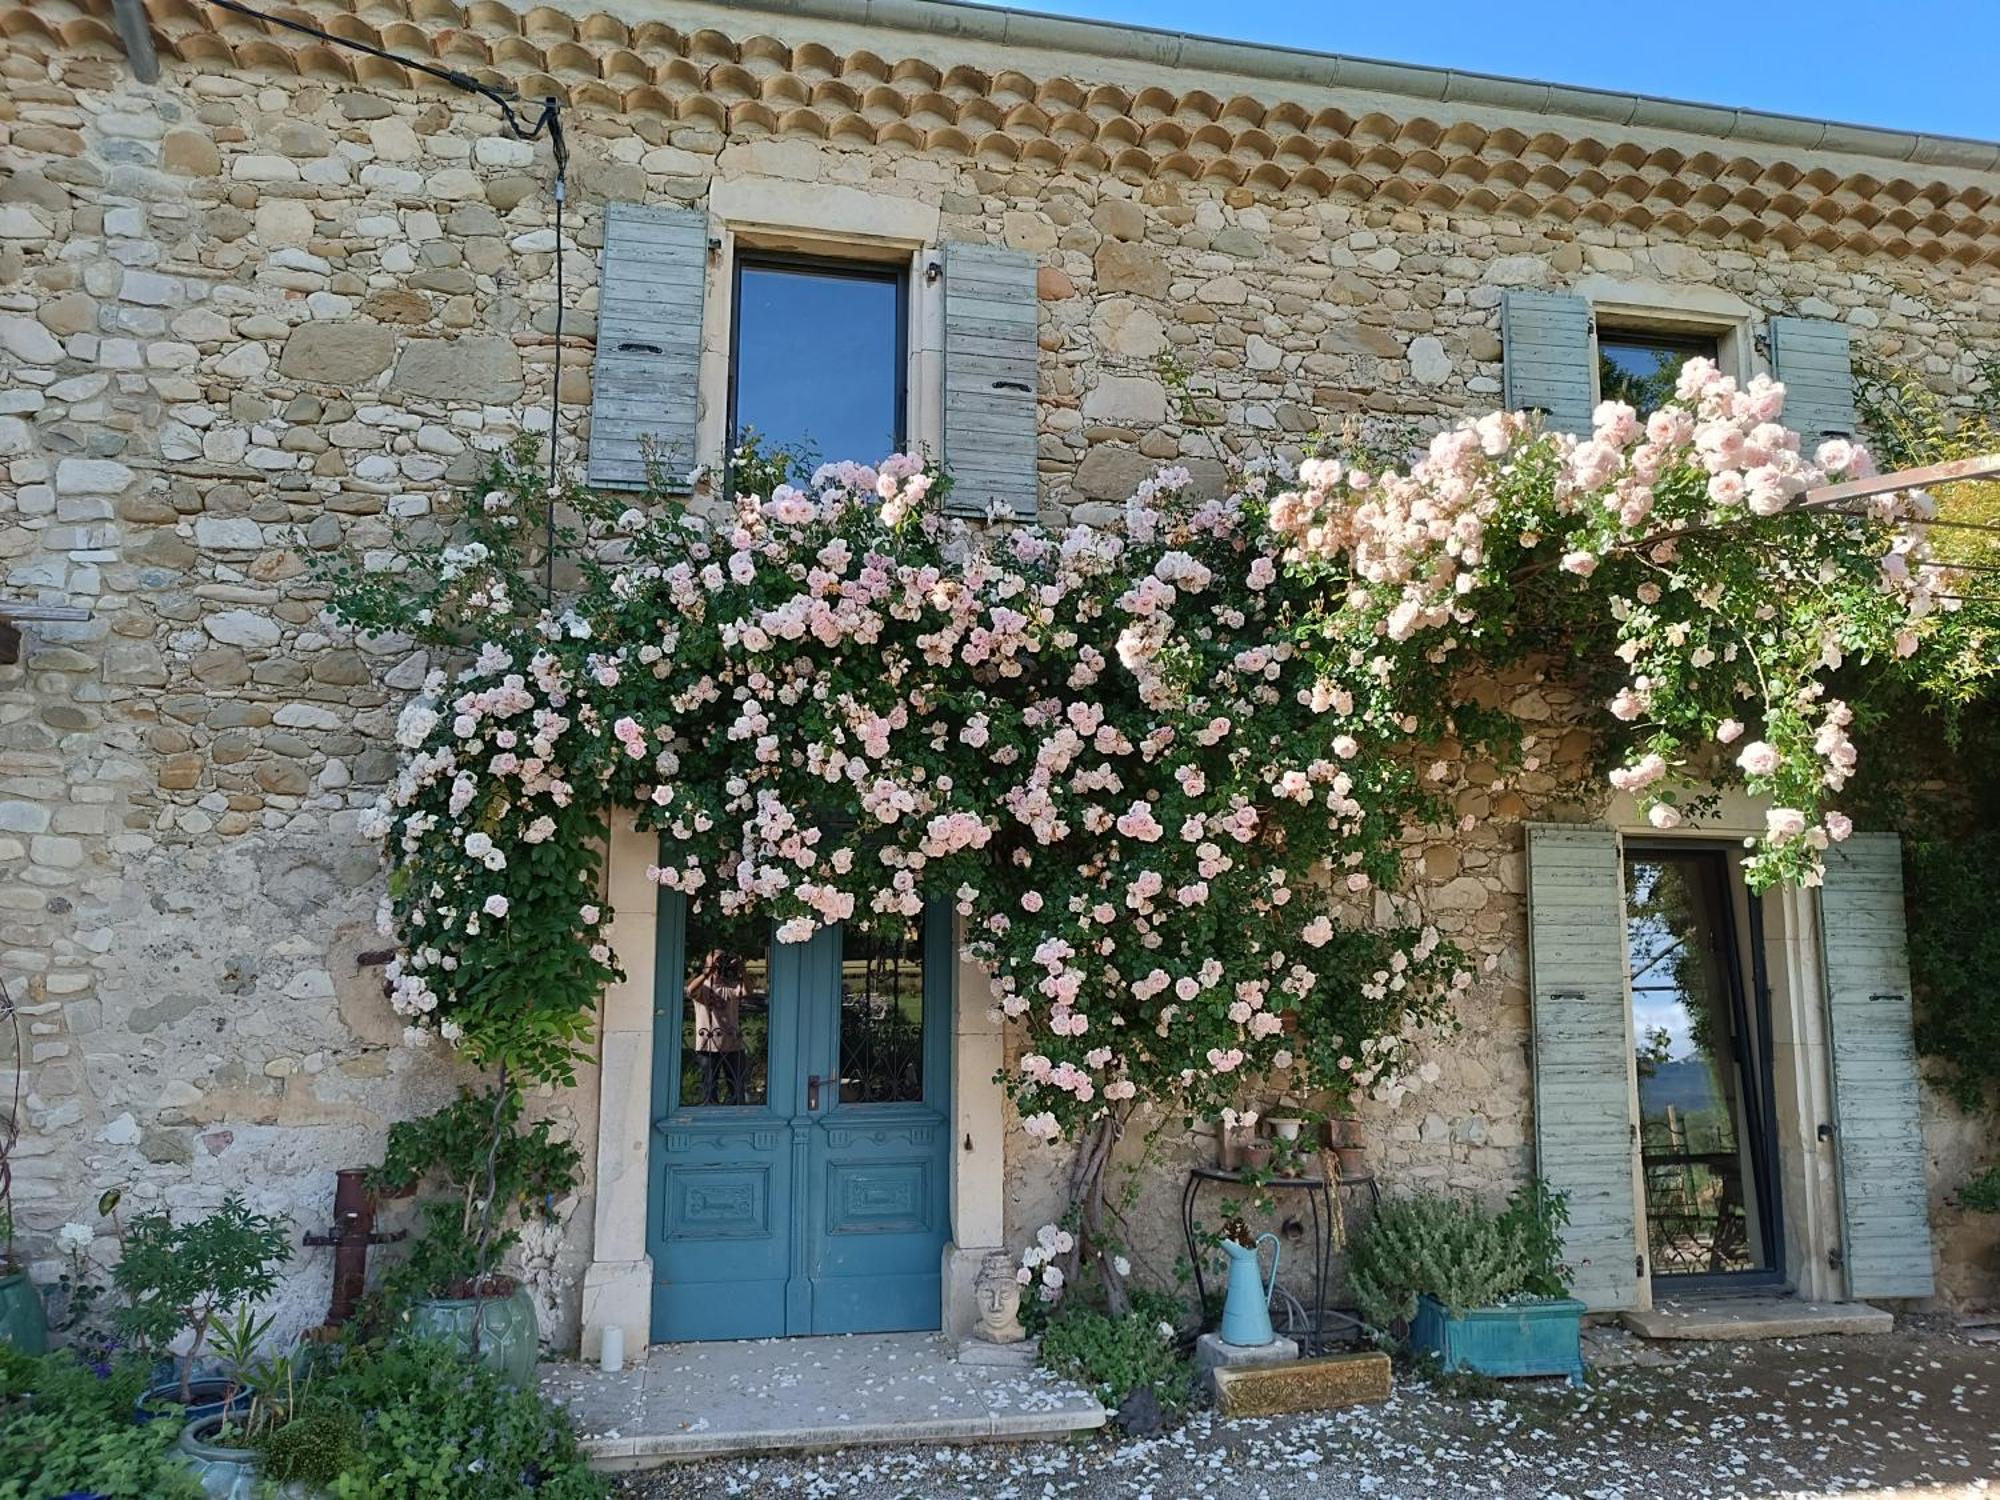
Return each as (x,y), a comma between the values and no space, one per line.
(488,1175)
(179,1279)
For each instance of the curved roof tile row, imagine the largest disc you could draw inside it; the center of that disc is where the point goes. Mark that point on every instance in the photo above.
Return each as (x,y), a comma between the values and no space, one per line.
(760,86)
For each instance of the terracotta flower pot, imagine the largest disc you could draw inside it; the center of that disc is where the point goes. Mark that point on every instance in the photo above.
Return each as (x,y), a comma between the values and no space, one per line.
(1353,1162)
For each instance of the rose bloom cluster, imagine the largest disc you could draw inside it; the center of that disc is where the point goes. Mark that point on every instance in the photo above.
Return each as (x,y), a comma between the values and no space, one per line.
(1727,598)
(833,704)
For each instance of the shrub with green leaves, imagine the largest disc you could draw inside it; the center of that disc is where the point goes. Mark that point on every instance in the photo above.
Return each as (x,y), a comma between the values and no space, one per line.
(439,1426)
(66,1429)
(1982,1193)
(491,1176)
(1458,1252)
(1116,1355)
(182,1277)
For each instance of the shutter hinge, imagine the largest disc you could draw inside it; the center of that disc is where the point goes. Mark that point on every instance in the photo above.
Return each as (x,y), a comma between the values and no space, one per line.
(1638,1265)
(1825,1131)
(1635,1133)
(1837,1258)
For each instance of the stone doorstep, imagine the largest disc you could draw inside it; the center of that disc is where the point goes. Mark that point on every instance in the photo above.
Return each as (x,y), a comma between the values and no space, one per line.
(1726,1318)
(690,1401)
(1323,1384)
(653,1450)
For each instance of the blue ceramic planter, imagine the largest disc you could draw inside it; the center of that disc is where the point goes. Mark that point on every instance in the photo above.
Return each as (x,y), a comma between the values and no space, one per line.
(1524,1338)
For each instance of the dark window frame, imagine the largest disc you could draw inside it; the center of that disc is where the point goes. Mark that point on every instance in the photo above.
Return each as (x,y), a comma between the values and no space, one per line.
(895,273)
(1750,1002)
(1637,334)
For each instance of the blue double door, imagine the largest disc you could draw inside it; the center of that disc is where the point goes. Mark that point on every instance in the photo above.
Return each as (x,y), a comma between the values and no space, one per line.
(801,1127)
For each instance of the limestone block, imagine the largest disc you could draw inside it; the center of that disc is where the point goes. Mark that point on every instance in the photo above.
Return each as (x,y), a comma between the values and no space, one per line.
(1125,267)
(1125,327)
(478,367)
(29,341)
(1126,400)
(338,353)
(243,627)
(1429,364)
(1323,1384)
(189,153)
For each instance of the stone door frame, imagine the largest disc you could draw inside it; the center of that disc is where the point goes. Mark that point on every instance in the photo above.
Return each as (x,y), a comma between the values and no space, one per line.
(618,1283)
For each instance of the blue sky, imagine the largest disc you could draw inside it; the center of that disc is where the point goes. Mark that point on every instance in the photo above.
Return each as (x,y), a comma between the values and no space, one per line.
(1926,65)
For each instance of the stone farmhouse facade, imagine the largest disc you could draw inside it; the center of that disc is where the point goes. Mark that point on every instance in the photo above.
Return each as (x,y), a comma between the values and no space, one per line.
(285,294)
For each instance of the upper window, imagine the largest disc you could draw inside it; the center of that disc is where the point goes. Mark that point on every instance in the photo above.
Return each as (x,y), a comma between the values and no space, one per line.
(817,366)
(1639,367)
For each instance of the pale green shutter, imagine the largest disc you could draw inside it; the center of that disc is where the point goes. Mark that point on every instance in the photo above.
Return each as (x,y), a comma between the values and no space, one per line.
(1884,1185)
(1549,354)
(1815,361)
(991,354)
(1585,1138)
(644,381)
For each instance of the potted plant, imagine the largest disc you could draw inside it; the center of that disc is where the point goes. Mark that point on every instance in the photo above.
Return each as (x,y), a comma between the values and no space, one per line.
(23,1324)
(1478,1290)
(489,1176)
(178,1279)
(260,1434)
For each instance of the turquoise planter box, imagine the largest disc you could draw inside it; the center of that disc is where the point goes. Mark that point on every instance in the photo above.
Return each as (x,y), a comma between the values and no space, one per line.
(1525,1338)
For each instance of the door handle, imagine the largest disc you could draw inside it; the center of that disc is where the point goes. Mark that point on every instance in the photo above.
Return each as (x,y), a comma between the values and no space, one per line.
(812,1093)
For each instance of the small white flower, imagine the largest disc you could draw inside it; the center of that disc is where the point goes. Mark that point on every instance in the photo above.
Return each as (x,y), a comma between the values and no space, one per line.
(74,1238)
(496,905)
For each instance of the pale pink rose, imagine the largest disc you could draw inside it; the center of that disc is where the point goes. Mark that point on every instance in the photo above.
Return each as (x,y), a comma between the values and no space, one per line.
(1663,815)
(1785,822)
(1838,826)
(1729,731)
(1758,758)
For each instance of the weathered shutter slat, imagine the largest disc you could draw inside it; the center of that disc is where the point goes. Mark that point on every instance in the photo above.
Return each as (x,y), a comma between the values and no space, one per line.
(991,358)
(1547,347)
(1814,359)
(1884,1187)
(1583,1053)
(645,382)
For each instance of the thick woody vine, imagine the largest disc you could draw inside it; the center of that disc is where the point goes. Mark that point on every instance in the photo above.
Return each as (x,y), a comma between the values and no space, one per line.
(1164,771)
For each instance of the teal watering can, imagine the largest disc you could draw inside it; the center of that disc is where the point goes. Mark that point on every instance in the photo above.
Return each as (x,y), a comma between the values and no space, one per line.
(1246,1311)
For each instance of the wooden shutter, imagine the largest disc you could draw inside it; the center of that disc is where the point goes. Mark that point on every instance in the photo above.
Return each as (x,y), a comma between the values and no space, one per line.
(1884,1188)
(1550,358)
(990,358)
(643,385)
(1813,358)
(1585,1138)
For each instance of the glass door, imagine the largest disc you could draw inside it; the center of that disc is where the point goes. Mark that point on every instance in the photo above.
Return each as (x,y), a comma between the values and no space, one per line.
(1702,1028)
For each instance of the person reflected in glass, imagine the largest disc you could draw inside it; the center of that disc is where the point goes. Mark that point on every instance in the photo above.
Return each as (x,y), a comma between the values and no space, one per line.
(715,995)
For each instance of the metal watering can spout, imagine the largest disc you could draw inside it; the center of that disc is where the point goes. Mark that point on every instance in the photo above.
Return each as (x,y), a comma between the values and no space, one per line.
(1246,1311)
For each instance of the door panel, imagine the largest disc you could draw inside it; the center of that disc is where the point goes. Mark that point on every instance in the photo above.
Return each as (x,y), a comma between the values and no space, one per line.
(722,1173)
(803,1187)
(879,1158)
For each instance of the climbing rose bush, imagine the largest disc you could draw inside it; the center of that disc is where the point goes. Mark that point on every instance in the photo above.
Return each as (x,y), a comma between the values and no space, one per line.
(1163,770)
(1105,748)
(1677,563)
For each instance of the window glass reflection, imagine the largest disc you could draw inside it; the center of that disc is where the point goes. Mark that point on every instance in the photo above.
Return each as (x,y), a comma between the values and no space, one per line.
(726,1020)
(818,369)
(1697,1105)
(882,1011)
(1641,369)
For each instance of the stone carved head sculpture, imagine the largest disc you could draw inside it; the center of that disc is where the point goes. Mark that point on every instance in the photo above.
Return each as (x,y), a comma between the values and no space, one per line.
(998,1297)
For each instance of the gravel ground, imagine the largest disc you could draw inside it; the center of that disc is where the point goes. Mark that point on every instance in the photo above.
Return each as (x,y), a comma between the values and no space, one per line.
(1910,1413)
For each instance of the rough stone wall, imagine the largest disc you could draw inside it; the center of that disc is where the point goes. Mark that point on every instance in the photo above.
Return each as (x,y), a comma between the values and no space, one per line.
(244,319)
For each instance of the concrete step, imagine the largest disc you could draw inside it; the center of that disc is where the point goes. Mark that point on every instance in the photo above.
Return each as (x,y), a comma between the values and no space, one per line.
(1754,1318)
(690,1401)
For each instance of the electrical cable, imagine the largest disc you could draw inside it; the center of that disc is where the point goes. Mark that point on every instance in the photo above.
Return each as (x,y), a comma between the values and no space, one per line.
(549,123)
